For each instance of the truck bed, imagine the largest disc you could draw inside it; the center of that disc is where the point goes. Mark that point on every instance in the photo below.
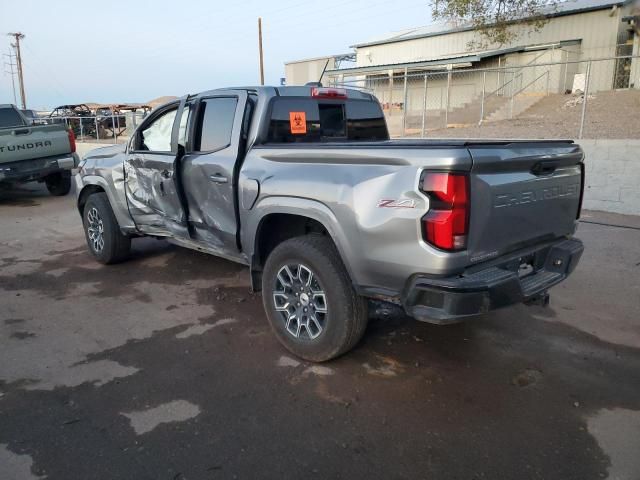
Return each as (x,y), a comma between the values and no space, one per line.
(418,143)
(521,192)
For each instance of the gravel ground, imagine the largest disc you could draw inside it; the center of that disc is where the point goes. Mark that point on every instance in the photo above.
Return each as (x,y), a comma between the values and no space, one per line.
(609,115)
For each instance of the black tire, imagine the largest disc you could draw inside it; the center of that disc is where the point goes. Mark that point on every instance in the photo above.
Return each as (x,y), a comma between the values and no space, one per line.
(115,246)
(58,184)
(346,312)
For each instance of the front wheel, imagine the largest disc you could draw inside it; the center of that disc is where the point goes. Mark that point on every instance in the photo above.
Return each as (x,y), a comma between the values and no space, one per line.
(58,184)
(104,238)
(309,299)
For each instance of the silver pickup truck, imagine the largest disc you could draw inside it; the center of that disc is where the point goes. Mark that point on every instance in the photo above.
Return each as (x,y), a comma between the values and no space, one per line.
(303,185)
(30,152)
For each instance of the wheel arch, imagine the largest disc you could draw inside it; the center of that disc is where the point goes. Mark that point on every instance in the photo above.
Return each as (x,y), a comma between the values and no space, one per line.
(277,223)
(91,184)
(85,193)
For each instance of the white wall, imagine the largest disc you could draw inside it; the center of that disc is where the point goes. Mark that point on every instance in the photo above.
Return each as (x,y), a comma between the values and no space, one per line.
(612,182)
(598,31)
(299,73)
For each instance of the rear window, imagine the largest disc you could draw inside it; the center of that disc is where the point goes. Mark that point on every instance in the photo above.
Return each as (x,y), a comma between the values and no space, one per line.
(10,118)
(313,120)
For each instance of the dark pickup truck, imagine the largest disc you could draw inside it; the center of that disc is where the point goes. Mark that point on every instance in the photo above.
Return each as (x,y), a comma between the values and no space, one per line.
(29,152)
(304,186)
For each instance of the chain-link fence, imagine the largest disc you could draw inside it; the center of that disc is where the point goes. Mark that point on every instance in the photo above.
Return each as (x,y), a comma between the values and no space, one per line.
(98,128)
(597,98)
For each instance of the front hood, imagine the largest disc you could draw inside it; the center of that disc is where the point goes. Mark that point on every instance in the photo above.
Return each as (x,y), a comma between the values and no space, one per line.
(105,152)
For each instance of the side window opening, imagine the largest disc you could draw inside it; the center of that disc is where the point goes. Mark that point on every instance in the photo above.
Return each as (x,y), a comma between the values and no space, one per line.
(184,122)
(157,136)
(215,124)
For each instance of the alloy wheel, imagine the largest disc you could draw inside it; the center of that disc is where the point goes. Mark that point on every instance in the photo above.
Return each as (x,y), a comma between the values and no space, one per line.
(301,301)
(95,230)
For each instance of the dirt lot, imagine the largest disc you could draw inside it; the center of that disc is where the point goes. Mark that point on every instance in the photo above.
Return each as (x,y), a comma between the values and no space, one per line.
(609,115)
(164,368)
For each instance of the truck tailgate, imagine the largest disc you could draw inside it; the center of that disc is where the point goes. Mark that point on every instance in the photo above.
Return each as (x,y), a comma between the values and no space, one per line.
(522,193)
(26,143)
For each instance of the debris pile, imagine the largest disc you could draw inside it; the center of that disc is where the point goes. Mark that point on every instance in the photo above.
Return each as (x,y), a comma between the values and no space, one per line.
(577,99)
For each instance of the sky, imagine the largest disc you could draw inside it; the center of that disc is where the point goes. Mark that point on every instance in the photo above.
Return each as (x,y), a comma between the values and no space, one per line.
(137,50)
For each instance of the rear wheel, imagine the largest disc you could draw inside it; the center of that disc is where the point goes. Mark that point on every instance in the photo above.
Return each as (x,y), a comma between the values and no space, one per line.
(104,238)
(58,184)
(309,299)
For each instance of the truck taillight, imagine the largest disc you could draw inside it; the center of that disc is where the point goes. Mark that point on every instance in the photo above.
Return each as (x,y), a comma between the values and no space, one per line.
(323,92)
(72,140)
(446,225)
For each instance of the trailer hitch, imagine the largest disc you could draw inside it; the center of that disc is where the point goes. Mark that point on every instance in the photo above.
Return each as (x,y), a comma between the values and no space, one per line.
(541,300)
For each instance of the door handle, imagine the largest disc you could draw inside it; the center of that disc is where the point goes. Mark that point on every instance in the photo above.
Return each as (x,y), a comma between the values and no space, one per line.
(218,178)
(543,168)
(166,173)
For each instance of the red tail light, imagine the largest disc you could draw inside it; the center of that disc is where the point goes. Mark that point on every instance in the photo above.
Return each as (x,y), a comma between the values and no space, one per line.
(323,92)
(72,140)
(446,225)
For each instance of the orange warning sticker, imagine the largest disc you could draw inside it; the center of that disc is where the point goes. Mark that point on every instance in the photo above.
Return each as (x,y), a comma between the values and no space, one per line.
(298,122)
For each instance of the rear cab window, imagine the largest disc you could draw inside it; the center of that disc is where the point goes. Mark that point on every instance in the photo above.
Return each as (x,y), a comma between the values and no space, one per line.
(10,118)
(309,119)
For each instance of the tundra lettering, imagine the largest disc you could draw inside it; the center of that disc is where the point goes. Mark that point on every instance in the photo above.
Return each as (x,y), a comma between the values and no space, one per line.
(24,146)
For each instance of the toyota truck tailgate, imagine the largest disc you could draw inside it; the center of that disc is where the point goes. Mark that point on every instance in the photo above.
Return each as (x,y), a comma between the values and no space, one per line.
(522,194)
(31,142)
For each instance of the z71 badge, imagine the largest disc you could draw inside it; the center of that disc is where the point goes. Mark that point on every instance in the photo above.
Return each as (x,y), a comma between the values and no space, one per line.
(402,203)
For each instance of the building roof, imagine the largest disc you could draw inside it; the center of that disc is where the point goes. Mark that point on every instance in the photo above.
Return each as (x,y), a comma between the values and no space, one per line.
(325,57)
(569,7)
(440,63)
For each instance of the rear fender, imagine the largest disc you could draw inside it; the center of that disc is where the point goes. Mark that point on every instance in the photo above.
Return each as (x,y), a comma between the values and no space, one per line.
(296,206)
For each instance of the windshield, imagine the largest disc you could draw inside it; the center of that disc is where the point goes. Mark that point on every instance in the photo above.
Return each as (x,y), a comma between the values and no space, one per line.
(10,118)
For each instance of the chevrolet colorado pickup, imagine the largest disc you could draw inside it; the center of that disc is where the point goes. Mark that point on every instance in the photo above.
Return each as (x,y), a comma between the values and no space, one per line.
(304,186)
(28,152)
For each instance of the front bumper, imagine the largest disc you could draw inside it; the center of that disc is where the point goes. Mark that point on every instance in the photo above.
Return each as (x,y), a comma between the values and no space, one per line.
(502,283)
(37,169)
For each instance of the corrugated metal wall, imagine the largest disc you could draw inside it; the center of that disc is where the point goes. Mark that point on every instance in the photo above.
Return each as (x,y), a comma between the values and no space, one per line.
(598,31)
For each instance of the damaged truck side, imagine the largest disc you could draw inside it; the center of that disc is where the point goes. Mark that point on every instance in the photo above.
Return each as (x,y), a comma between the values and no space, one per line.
(303,185)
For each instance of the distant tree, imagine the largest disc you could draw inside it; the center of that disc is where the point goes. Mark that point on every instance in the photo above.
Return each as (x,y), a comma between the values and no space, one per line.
(498,22)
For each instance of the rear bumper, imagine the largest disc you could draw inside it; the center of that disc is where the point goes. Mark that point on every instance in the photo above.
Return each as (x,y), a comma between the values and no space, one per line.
(36,169)
(451,299)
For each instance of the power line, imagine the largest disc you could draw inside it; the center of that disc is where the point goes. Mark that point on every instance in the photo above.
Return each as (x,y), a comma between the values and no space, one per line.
(10,64)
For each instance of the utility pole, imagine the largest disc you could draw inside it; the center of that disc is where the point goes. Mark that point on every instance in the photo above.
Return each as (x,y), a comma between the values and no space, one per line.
(10,64)
(19,36)
(260,48)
